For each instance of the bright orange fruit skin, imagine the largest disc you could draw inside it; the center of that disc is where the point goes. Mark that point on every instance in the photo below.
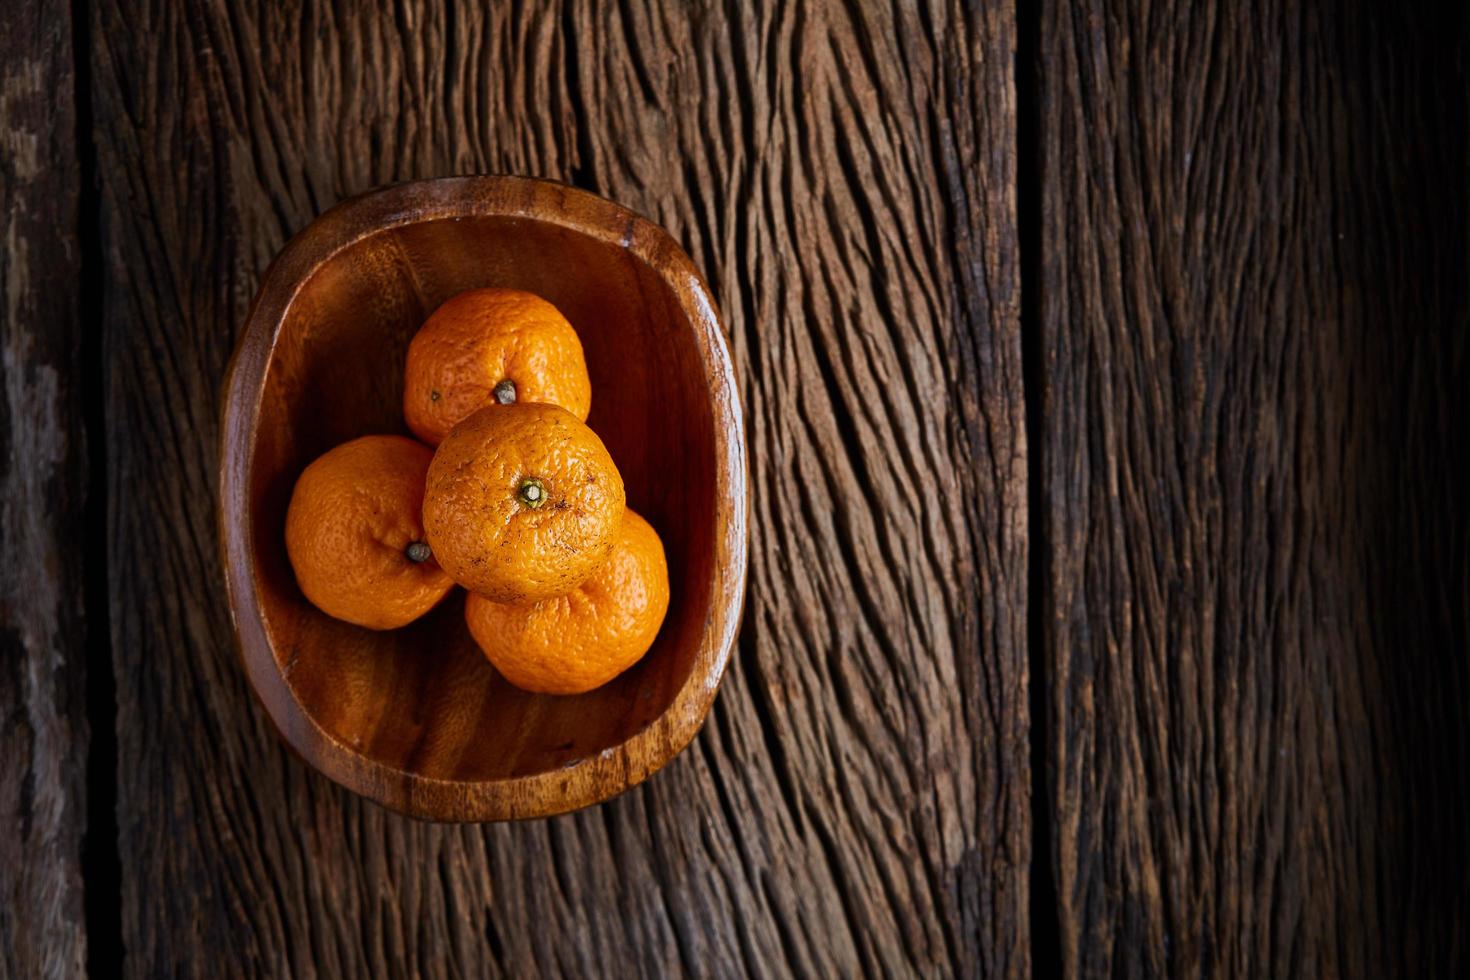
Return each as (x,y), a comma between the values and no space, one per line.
(353,514)
(478,339)
(482,529)
(576,642)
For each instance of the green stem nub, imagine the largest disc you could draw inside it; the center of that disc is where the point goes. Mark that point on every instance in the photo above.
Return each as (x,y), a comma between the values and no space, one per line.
(505,392)
(418,552)
(532,492)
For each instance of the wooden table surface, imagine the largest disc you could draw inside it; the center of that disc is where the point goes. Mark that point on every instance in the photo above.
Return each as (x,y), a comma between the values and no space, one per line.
(1105,366)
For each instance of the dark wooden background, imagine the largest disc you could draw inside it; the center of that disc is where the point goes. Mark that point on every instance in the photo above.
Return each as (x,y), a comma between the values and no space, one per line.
(1107,375)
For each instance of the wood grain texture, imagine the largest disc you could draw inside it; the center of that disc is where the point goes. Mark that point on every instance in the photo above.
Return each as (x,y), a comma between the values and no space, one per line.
(1254,306)
(43,725)
(858,802)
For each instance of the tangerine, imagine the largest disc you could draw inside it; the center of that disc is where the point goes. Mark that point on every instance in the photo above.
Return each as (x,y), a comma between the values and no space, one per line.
(355,537)
(487,347)
(522,502)
(575,642)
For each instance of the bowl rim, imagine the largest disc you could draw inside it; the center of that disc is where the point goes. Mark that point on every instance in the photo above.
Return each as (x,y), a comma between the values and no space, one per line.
(591,779)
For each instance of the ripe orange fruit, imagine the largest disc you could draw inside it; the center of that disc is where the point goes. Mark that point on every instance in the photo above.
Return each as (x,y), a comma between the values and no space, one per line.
(355,537)
(522,502)
(487,347)
(581,640)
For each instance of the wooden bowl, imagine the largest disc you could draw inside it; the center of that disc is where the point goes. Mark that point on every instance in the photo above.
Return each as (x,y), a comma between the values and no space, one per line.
(416,718)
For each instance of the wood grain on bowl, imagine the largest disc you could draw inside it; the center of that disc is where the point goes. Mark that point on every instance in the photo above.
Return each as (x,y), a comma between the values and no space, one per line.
(414,718)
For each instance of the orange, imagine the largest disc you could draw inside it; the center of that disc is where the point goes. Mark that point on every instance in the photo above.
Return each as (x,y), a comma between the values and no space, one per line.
(522,502)
(581,640)
(355,537)
(487,347)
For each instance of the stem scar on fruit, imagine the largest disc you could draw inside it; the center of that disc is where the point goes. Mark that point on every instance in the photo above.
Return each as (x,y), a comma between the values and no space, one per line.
(418,552)
(505,392)
(532,492)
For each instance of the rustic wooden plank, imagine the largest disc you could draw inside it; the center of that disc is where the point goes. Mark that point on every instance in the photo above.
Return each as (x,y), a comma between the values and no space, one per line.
(43,723)
(859,801)
(1254,310)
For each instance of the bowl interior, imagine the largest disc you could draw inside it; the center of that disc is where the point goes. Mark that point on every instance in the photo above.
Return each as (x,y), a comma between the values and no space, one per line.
(423,699)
